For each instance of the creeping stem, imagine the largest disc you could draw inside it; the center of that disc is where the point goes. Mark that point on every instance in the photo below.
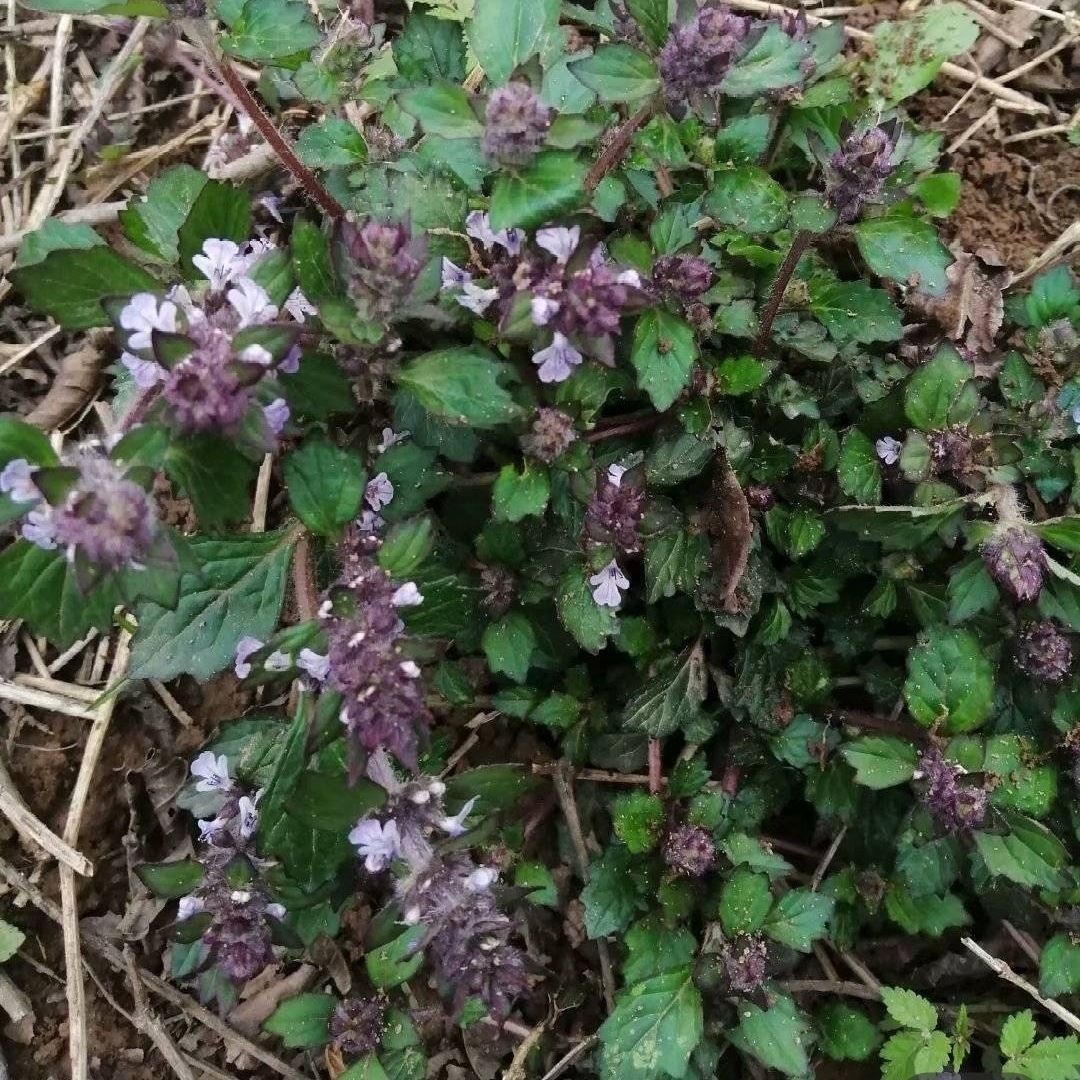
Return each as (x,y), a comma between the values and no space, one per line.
(799,244)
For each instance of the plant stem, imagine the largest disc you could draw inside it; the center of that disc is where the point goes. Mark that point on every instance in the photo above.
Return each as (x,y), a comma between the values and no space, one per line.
(279,143)
(799,244)
(616,149)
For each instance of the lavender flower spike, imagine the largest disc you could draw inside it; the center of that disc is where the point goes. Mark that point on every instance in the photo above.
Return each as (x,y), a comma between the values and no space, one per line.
(17,481)
(516,124)
(1016,560)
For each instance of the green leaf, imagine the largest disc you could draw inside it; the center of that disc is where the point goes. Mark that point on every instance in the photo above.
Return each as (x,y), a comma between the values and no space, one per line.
(799,918)
(1017,1033)
(924,914)
(949,679)
(880,761)
(302,1021)
(325,486)
(406,546)
(129,8)
(908,1009)
(327,802)
(1028,854)
(906,250)
(271,30)
(774,62)
(737,375)
(39,586)
(333,141)
(11,940)
(915,1053)
(908,54)
(743,140)
(611,896)
(509,644)
(1049,1059)
(70,285)
(367,1068)
(214,475)
(654,17)
(654,1029)
(18,439)
(520,495)
(941,392)
(674,562)
(153,222)
(551,186)
(670,700)
(747,199)
(398,960)
(858,469)
(663,353)
(1059,967)
(496,787)
(169,880)
(55,235)
(428,49)
(311,261)
(220,212)
(589,624)
(854,311)
(744,902)
(971,590)
(847,1034)
(505,33)
(654,948)
(939,193)
(443,109)
(778,1038)
(671,461)
(461,386)
(617,73)
(237,592)
(1063,533)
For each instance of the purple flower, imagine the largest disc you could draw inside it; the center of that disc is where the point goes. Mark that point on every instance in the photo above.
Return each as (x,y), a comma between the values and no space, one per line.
(299,306)
(543,309)
(212,772)
(698,56)
(17,481)
(888,449)
(478,226)
(144,314)
(378,844)
(239,938)
(248,814)
(453,276)
(689,850)
(560,242)
(384,259)
(107,518)
(390,438)
(145,373)
(556,363)
(594,298)
(219,262)
(857,172)
(314,665)
(277,415)
(454,825)
(745,962)
(516,123)
(615,512)
(245,648)
(1016,560)
(407,595)
(551,435)
(608,585)
(476,298)
(1043,652)
(204,392)
(38,528)
(954,805)
(290,362)
(357,1026)
(251,303)
(379,492)
(682,277)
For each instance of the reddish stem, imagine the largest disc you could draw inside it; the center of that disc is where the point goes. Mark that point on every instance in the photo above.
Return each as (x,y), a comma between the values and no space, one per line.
(280,145)
(798,248)
(629,427)
(616,149)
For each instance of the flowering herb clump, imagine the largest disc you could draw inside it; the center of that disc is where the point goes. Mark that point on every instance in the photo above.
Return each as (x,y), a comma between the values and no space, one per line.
(642,558)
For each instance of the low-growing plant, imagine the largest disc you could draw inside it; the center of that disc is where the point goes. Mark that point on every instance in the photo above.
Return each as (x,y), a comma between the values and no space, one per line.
(617,395)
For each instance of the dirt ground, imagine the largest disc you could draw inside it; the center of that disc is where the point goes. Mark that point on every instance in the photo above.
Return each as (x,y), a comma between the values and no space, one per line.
(1016,198)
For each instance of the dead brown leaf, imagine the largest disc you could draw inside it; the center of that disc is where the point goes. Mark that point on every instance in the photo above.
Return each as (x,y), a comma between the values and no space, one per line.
(731,530)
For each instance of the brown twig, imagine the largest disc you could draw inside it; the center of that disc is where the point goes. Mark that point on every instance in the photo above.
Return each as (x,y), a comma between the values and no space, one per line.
(303,573)
(656,768)
(840,987)
(799,244)
(616,149)
(311,184)
(827,858)
(627,427)
(149,1023)
(564,788)
(870,722)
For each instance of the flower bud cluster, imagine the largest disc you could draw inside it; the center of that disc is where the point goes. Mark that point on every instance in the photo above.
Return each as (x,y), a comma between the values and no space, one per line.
(953,804)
